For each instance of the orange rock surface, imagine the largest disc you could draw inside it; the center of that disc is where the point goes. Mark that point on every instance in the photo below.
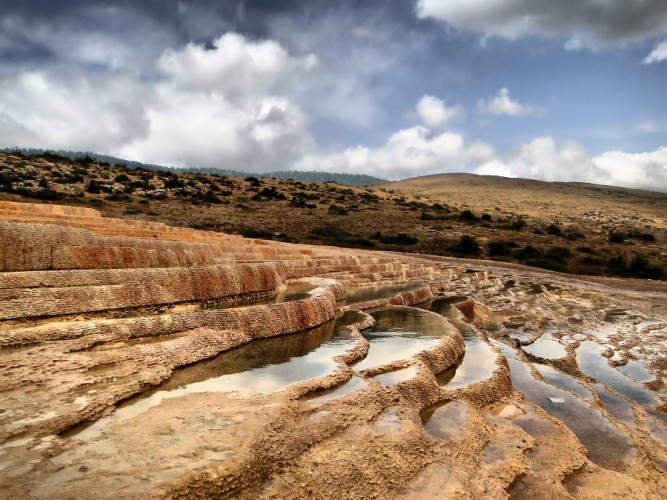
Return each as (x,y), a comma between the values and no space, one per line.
(141,360)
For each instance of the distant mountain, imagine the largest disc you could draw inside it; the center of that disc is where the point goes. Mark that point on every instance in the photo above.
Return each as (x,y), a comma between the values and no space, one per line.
(313,176)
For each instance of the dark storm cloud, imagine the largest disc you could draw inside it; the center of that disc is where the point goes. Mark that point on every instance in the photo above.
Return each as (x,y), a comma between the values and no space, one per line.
(252,15)
(588,22)
(33,31)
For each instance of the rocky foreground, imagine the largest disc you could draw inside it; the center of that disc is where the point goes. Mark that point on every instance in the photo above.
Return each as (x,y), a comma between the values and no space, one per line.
(141,360)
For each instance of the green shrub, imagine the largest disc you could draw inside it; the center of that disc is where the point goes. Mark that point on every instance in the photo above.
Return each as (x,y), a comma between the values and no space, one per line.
(467,216)
(173,182)
(592,261)
(7,178)
(640,267)
(555,230)
(587,249)
(431,216)
(639,235)
(618,266)
(616,237)
(211,197)
(336,210)
(529,251)
(467,245)
(269,194)
(399,239)
(548,262)
(559,253)
(575,235)
(339,237)
(45,194)
(254,181)
(93,187)
(498,248)
(117,197)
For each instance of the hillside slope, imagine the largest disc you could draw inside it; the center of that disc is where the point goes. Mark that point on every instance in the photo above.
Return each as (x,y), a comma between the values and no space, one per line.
(535,198)
(576,228)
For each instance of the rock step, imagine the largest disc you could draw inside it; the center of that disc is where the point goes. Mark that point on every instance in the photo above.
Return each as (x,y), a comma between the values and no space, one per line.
(158,288)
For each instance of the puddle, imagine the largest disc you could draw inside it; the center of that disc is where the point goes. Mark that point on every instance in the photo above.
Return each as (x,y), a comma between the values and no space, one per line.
(396,377)
(620,409)
(603,333)
(399,333)
(355,384)
(492,453)
(32,420)
(445,421)
(592,363)
(563,381)
(389,422)
(507,411)
(366,293)
(262,367)
(507,351)
(521,336)
(657,428)
(648,324)
(479,361)
(637,371)
(606,445)
(348,318)
(534,425)
(293,292)
(546,349)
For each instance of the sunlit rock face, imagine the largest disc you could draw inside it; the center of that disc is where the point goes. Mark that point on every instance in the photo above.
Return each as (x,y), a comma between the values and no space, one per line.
(161,361)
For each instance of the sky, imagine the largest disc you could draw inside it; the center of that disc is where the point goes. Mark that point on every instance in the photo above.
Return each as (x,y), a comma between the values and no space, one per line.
(573,90)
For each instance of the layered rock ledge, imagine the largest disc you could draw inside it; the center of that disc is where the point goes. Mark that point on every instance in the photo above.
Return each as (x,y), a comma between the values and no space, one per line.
(141,360)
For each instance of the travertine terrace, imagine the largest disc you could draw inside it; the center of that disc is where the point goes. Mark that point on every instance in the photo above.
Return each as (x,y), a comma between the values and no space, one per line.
(127,352)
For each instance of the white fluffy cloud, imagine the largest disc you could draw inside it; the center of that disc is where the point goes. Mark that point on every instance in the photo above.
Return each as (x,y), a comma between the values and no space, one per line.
(590,23)
(55,111)
(234,67)
(502,104)
(407,153)
(658,54)
(215,107)
(644,170)
(434,112)
(542,159)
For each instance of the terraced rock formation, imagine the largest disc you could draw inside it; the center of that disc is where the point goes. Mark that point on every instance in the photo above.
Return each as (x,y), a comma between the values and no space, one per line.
(141,360)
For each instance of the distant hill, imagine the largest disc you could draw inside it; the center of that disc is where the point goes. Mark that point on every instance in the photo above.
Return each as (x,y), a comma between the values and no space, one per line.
(297,175)
(313,176)
(437,183)
(562,200)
